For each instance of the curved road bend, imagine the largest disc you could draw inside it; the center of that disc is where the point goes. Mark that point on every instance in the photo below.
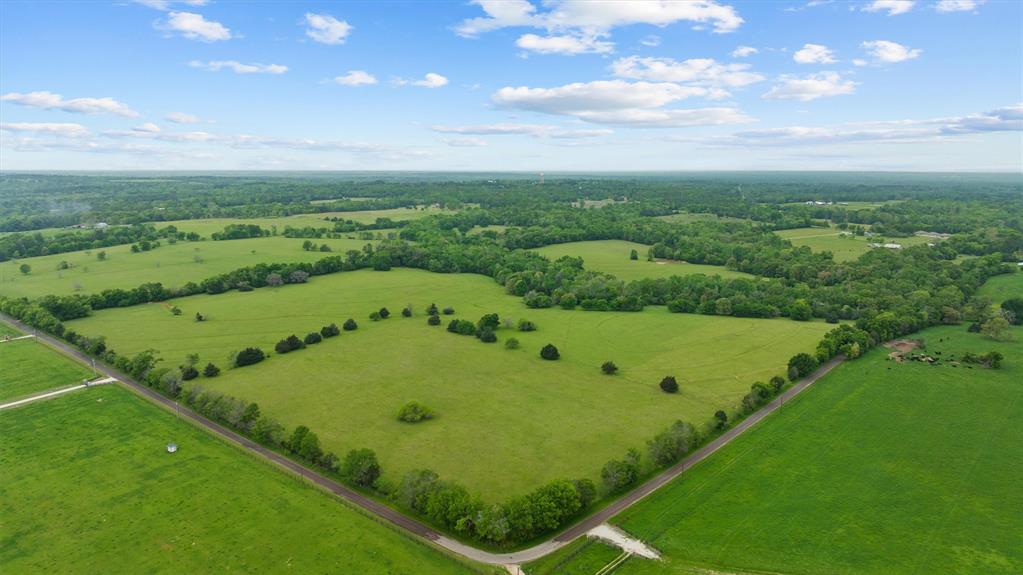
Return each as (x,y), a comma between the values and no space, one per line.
(419,529)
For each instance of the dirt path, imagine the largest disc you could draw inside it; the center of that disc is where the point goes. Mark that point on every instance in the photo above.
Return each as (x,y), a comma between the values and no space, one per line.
(56,392)
(412,525)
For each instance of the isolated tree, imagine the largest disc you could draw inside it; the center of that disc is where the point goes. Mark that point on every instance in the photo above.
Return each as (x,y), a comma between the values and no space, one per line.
(669,384)
(350,325)
(633,255)
(199,317)
(549,352)
(414,412)
(407,311)
(449,310)
(433,320)
(526,325)
(487,335)
(384,313)
(211,370)
(374,316)
(330,330)
(361,467)
(996,328)
(511,343)
(189,372)
(609,367)
(101,256)
(294,342)
(25,269)
(312,338)
(432,310)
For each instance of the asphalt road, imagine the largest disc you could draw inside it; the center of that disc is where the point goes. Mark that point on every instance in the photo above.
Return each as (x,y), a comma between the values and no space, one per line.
(415,527)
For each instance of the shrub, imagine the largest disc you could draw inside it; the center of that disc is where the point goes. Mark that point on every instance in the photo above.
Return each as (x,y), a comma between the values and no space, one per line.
(432,310)
(609,367)
(777,382)
(360,467)
(384,313)
(488,336)
(330,330)
(1015,308)
(413,412)
(312,338)
(490,320)
(211,370)
(249,356)
(350,325)
(721,419)
(449,311)
(433,320)
(670,445)
(375,316)
(282,346)
(669,384)
(526,325)
(511,343)
(189,372)
(549,352)
(407,311)
(617,475)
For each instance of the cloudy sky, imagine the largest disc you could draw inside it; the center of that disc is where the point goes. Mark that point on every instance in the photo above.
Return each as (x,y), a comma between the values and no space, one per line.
(539,85)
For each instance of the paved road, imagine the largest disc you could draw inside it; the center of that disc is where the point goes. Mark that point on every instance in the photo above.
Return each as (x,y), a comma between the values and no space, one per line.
(419,529)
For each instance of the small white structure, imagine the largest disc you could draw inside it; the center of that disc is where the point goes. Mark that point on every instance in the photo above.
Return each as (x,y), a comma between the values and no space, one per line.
(172,447)
(101,225)
(889,246)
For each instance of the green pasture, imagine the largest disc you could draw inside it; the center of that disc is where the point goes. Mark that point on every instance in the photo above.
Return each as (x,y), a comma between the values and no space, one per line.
(843,247)
(1003,287)
(507,421)
(687,217)
(205,227)
(173,265)
(879,468)
(612,256)
(30,367)
(88,487)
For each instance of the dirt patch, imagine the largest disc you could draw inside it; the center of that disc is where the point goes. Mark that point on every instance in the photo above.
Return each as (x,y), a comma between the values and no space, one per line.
(902,345)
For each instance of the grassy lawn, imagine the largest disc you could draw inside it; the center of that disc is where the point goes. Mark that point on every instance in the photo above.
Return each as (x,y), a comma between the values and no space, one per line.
(119,503)
(208,226)
(1003,287)
(612,256)
(880,468)
(30,367)
(844,248)
(171,264)
(508,408)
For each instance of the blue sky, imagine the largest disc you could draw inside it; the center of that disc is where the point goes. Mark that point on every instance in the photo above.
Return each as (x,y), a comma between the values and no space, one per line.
(512,85)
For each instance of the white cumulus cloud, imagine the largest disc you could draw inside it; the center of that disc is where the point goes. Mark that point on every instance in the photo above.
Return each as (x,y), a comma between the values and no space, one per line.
(814,54)
(810,87)
(534,130)
(744,51)
(893,7)
(696,71)
(238,67)
(430,80)
(564,44)
(195,27)
(890,52)
(958,5)
(181,118)
(356,78)
(326,29)
(51,101)
(67,130)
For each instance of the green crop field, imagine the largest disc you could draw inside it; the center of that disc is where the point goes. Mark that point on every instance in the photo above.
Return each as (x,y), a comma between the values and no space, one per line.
(843,247)
(205,227)
(170,264)
(687,217)
(505,407)
(880,468)
(612,256)
(1003,287)
(30,367)
(119,503)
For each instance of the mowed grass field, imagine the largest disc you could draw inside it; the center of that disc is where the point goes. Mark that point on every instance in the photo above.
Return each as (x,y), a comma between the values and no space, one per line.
(205,227)
(687,217)
(844,248)
(119,503)
(30,367)
(612,256)
(879,468)
(500,413)
(173,265)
